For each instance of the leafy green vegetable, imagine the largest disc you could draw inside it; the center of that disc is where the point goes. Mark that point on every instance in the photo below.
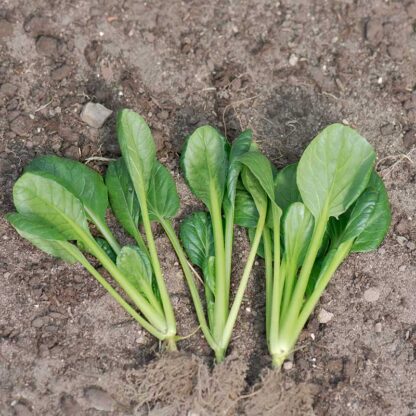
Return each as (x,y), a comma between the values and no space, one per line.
(123,200)
(286,188)
(84,183)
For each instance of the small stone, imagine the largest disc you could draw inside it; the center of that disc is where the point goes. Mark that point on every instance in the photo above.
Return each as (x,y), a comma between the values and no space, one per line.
(378,327)
(287,365)
(6,275)
(21,125)
(21,409)
(293,60)
(38,25)
(409,139)
(6,28)
(402,268)
(401,240)
(99,399)
(95,114)
(387,129)
(324,316)
(372,294)
(61,73)
(47,46)
(92,52)
(73,152)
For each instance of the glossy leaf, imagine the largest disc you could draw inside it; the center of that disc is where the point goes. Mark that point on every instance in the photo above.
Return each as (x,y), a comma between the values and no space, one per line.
(241,145)
(334,170)
(39,195)
(378,223)
(135,266)
(286,189)
(44,236)
(107,248)
(197,238)
(205,165)
(162,196)
(246,214)
(123,200)
(86,184)
(298,225)
(137,147)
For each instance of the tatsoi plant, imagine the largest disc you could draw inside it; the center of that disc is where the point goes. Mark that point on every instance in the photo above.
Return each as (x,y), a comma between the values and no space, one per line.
(58,199)
(332,203)
(212,170)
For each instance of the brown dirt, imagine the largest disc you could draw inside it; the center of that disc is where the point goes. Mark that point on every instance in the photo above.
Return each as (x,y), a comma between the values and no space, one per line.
(285,69)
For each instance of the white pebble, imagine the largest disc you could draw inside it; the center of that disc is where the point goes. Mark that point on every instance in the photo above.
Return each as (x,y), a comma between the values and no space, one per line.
(288,365)
(293,60)
(324,316)
(372,294)
(378,327)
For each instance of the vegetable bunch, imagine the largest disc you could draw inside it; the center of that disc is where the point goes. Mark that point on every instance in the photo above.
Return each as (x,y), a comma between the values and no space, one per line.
(303,220)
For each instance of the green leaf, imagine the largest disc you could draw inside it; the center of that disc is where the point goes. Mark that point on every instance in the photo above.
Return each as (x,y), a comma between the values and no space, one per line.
(197,238)
(298,226)
(260,250)
(162,196)
(241,145)
(255,189)
(137,147)
(246,214)
(39,195)
(135,266)
(42,235)
(86,184)
(260,168)
(107,248)
(286,189)
(334,170)
(378,223)
(204,162)
(123,200)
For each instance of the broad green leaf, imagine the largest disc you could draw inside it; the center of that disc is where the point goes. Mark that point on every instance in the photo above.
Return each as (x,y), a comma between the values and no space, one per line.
(205,165)
(137,147)
(253,186)
(162,196)
(86,184)
(123,200)
(246,214)
(298,226)
(197,238)
(39,195)
(44,236)
(135,266)
(334,170)
(241,145)
(286,189)
(260,168)
(378,223)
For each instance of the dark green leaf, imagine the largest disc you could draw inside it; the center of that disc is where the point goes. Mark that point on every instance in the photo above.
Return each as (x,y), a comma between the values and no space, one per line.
(107,248)
(246,214)
(197,238)
(123,200)
(162,197)
(204,162)
(86,184)
(240,146)
(379,221)
(334,170)
(286,189)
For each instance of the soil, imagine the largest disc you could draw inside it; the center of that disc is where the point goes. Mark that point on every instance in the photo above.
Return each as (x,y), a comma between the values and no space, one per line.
(285,69)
